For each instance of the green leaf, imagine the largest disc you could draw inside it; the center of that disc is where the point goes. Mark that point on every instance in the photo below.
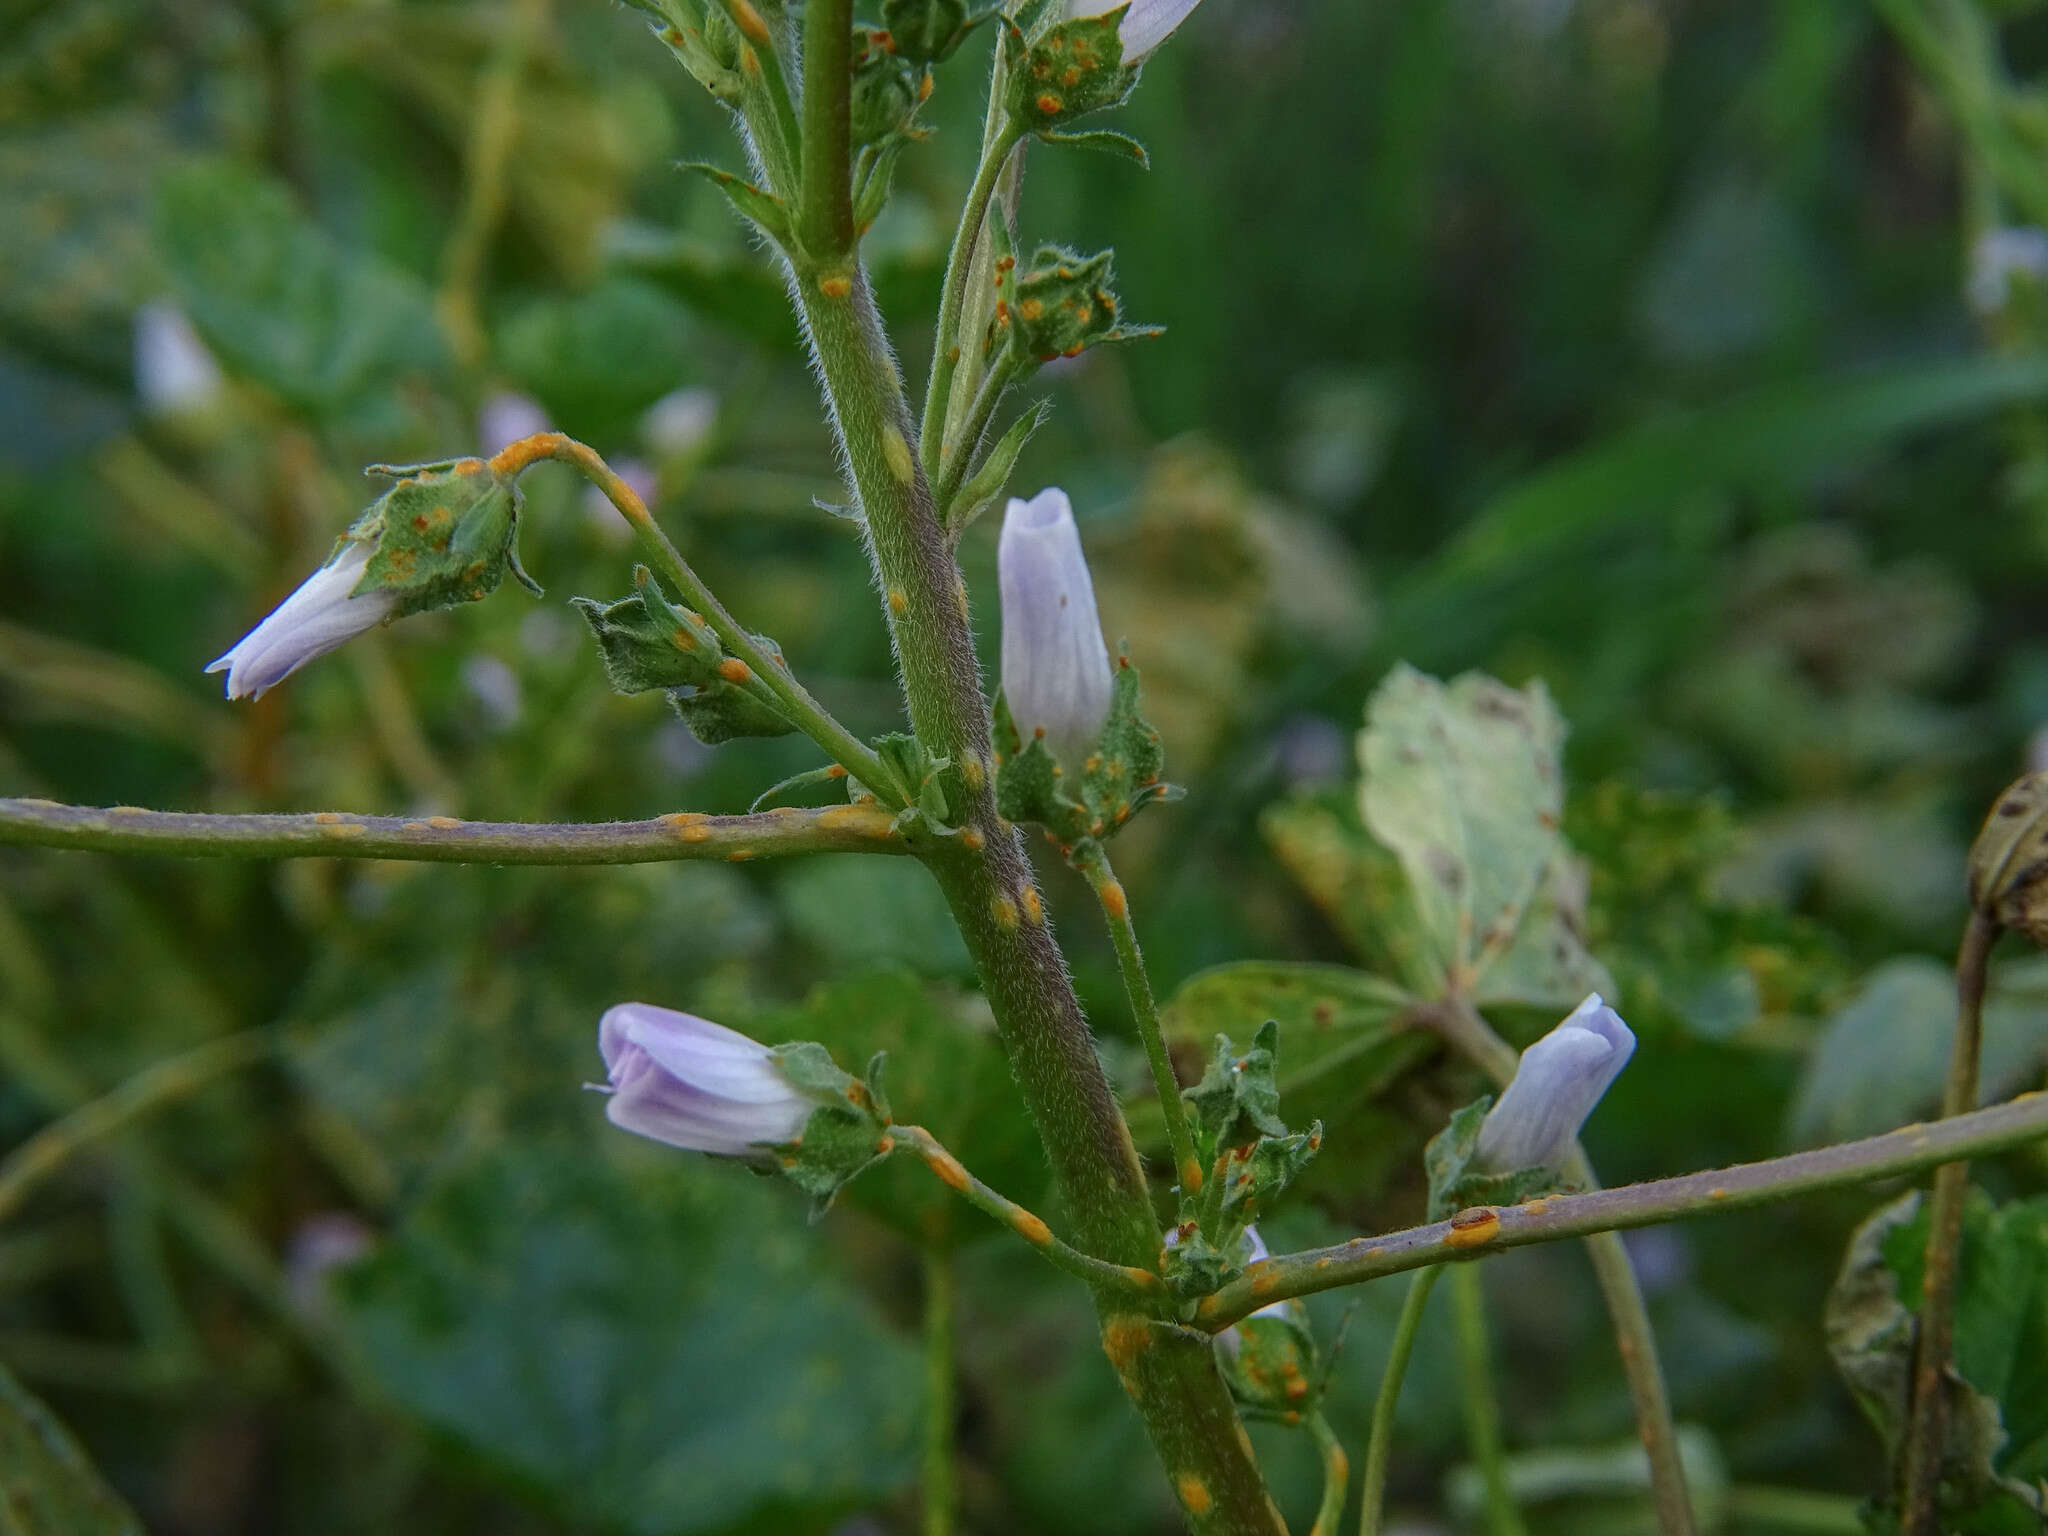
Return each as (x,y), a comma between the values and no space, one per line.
(985,486)
(761,209)
(1465,785)
(48,1486)
(601,356)
(1107,140)
(661,1356)
(1354,882)
(1881,1060)
(284,304)
(947,1072)
(1995,1463)
(445,534)
(1071,68)
(1238,1100)
(864,909)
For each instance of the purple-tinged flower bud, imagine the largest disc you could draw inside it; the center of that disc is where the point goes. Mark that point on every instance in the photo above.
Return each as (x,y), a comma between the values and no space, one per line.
(1146,25)
(315,619)
(694,1084)
(1560,1079)
(174,373)
(1056,676)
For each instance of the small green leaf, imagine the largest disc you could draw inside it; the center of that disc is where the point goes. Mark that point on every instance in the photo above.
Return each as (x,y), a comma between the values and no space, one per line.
(48,1486)
(1072,68)
(760,208)
(984,487)
(1238,1099)
(444,534)
(1108,140)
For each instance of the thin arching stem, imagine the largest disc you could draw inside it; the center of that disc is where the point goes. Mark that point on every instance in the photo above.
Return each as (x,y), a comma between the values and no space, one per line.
(1482,1407)
(1116,911)
(1336,1476)
(946,344)
(1380,1439)
(794,700)
(940,1303)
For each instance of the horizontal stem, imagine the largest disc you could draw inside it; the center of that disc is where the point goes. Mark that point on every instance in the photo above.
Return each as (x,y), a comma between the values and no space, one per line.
(1489,1229)
(953,1174)
(444,840)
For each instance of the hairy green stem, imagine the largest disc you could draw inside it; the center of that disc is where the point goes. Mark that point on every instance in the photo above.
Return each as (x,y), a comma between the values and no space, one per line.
(958,452)
(1380,1439)
(1168,1371)
(1482,1407)
(1634,1339)
(937,1485)
(946,341)
(1116,912)
(29,1164)
(1926,1428)
(776,133)
(789,695)
(444,840)
(1470,1234)
(825,216)
(1336,1476)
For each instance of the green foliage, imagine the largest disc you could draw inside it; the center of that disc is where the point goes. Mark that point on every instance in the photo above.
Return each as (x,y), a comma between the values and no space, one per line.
(444,534)
(1069,69)
(48,1486)
(1995,1465)
(318,324)
(1120,779)
(647,642)
(660,1354)
(1454,1184)
(1060,306)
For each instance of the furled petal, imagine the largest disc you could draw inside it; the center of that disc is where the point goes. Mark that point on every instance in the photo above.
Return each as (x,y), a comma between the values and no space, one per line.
(694,1084)
(1056,676)
(315,619)
(1559,1080)
(1146,25)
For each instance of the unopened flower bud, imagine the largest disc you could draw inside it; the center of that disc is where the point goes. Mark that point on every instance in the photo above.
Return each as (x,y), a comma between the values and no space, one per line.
(1056,677)
(1560,1078)
(1146,24)
(694,1084)
(319,616)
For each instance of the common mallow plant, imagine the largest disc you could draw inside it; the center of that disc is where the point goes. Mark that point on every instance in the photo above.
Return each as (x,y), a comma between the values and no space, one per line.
(1463,789)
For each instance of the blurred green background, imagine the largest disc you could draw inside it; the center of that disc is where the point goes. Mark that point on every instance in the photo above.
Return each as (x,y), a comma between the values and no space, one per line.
(1629,344)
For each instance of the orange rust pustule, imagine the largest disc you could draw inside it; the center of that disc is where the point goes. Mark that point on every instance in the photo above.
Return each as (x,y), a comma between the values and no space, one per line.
(749,21)
(1031,1229)
(1194,1494)
(1034,907)
(835,287)
(1114,902)
(733,670)
(1191,1177)
(1123,1340)
(948,1168)
(1473,1228)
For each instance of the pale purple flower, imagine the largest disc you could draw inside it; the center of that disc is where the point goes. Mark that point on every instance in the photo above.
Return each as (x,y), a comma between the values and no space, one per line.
(315,619)
(174,372)
(506,418)
(1560,1078)
(1998,256)
(1056,676)
(694,1084)
(1146,25)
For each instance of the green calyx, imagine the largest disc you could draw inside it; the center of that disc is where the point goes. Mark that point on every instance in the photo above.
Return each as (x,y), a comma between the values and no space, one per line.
(888,87)
(1275,1370)
(1091,800)
(646,642)
(1071,68)
(1061,306)
(446,533)
(846,1133)
(1455,1184)
(928,785)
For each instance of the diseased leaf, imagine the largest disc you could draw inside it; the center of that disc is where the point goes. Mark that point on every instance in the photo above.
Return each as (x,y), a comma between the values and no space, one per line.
(1464,784)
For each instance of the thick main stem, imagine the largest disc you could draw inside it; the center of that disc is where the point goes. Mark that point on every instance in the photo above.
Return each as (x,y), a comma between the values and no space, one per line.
(1927,1428)
(1168,1371)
